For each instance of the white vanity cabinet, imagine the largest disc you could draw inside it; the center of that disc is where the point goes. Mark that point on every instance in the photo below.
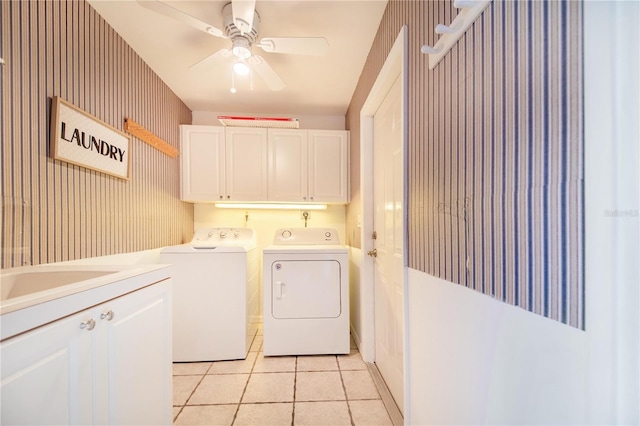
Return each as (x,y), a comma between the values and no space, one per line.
(223,164)
(308,165)
(109,364)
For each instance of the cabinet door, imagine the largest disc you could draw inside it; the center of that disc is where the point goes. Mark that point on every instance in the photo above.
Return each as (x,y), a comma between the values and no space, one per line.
(46,375)
(288,165)
(328,166)
(202,171)
(246,163)
(133,358)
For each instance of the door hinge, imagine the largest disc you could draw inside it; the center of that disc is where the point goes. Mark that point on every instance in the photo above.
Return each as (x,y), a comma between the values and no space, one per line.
(374,235)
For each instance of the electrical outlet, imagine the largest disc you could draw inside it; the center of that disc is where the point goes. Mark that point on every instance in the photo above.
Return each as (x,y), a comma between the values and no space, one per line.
(305,215)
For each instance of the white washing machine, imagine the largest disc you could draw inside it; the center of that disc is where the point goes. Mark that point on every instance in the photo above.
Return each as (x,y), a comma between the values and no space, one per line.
(306,293)
(215,294)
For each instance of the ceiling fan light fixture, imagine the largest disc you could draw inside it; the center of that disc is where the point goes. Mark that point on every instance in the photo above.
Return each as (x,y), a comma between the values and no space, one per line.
(241,52)
(241,68)
(241,48)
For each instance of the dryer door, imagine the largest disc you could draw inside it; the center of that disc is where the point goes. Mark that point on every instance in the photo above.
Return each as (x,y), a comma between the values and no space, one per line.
(305,289)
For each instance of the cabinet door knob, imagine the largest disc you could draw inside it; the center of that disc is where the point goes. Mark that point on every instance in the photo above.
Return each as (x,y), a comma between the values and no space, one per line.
(311,198)
(221,197)
(228,196)
(304,198)
(88,325)
(107,315)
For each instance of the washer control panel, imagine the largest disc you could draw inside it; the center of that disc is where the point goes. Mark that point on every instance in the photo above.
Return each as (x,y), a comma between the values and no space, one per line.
(222,236)
(306,236)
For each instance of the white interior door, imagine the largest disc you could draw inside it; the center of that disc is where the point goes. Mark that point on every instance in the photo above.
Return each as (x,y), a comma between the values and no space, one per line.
(388,225)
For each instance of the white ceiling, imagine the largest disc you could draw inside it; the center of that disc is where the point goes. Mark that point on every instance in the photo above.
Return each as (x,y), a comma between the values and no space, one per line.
(314,85)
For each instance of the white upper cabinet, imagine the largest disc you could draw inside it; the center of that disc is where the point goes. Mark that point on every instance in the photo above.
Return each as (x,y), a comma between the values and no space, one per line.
(257,165)
(221,164)
(246,164)
(202,171)
(308,165)
(328,161)
(288,165)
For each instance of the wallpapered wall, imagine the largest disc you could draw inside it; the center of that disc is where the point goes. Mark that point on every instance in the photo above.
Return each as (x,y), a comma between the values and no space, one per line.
(54,211)
(495,151)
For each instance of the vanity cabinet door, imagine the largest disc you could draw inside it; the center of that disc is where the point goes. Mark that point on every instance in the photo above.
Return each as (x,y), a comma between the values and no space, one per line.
(133,359)
(47,374)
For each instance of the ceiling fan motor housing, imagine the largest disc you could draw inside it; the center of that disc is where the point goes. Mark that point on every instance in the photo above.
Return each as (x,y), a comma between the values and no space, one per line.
(242,42)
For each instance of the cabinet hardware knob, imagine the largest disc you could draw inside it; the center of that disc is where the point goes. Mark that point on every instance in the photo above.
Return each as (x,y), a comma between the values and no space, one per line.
(88,325)
(311,198)
(221,197)
(107,315)
(304,198)
(228,196)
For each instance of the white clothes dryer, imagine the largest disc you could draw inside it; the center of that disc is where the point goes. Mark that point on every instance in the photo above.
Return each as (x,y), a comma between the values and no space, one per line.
(215,294)
(306,293)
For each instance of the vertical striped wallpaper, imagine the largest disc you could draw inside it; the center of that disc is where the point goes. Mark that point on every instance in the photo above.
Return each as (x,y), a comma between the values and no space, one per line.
(495,155)
(54,211)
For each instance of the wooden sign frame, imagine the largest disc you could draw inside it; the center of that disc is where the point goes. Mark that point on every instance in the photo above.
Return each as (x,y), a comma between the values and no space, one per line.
(84,140)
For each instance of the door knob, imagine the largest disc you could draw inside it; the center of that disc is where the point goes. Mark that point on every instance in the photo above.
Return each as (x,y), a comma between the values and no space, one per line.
(373,253)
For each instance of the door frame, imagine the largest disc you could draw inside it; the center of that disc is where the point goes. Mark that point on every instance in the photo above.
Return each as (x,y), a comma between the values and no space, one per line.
(395,64)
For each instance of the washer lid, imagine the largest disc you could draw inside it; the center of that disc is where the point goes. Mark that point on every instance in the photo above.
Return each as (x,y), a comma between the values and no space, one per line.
(206,248)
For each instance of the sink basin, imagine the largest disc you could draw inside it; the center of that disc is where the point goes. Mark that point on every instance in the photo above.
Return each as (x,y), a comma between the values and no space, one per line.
(25,286)
(19,284)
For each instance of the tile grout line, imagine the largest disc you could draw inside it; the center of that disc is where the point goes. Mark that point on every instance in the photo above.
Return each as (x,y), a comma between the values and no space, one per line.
(295,382)
(344,389)
(246,385)
(192,392)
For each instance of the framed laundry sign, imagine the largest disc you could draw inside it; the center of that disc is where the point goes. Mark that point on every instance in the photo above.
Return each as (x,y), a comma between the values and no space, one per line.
(79,138)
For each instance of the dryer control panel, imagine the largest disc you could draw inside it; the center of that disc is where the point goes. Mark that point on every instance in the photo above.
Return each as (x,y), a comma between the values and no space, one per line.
(306,236)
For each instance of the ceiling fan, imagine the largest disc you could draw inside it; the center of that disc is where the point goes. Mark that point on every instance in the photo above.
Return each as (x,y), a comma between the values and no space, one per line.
(241,25)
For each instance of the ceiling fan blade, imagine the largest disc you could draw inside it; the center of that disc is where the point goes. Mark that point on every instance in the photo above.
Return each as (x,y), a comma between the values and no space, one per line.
(217,56)
(315,46)
(267,73)
(177,14)
(243,11)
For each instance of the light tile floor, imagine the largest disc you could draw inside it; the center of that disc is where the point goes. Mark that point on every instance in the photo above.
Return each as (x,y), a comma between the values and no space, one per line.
(277,391)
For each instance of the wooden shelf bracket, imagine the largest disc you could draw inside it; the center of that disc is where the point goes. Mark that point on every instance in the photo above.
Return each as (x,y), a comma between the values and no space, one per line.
(143,134)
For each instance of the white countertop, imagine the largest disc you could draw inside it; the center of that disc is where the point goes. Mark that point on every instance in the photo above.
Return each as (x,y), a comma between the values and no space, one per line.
(27,311)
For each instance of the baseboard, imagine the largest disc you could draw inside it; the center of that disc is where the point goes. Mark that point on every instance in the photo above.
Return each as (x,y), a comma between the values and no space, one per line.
(390,404)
